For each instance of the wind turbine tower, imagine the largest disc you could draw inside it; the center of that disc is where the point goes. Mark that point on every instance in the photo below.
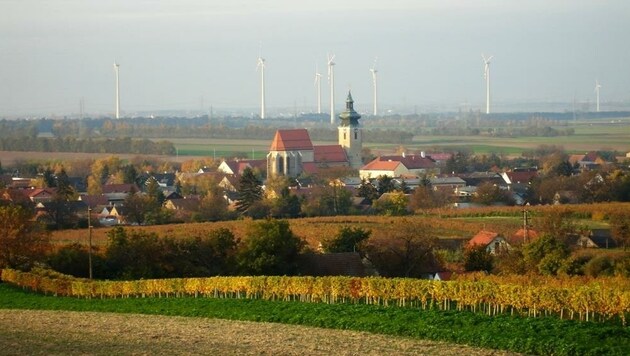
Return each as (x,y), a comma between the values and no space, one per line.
(318,86)
(374,71)
(331,79)
(597,89)
(486,75)
(261,66)
(116,71)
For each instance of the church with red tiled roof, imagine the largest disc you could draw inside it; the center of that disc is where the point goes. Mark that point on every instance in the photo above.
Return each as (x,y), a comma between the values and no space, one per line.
(293,153)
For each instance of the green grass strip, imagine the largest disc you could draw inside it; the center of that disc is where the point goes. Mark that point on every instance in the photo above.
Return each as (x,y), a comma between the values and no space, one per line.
(527,335)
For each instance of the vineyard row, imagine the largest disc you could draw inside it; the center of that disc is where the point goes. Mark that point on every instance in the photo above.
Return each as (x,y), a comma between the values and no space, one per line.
(596,300)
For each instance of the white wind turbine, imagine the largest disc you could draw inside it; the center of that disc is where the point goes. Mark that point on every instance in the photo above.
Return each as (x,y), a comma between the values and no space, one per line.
(261,65)
(486,75)
(116,71)
(597,89)
(374,71)
(318,86)
(331,79)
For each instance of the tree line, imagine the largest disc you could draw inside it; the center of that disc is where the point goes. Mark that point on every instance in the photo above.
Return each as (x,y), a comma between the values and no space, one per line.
(72,144)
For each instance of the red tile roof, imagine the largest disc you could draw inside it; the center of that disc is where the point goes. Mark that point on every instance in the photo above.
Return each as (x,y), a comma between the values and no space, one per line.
(309,167)
(440,156)
(519,236)
(482,238)
(257,163)
(412,161)
(41,191)
(379,165)
(329,153)
(94,200)
(287,140)
(591,157)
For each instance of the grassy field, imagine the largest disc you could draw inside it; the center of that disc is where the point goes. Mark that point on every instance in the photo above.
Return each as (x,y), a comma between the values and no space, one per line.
(591,135)
(533,336)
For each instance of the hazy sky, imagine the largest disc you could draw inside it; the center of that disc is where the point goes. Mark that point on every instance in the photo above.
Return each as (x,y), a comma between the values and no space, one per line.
(174,53)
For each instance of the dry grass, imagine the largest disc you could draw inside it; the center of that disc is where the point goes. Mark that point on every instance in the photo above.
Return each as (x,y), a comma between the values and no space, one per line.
(27,332)
(312,230)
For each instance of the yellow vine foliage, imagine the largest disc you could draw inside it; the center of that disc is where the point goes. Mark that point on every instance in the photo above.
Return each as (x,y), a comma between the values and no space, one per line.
(567,297)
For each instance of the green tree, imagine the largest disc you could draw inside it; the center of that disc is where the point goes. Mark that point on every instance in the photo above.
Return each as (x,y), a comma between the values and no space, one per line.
(287,205)
(249,191)
(134,255)
(154,191)
(130,174)
(347,239)
(545,255)
(59,208)
(477,258)
(22,241)
(269,248)
(49,178)
(367,190)
(385,184)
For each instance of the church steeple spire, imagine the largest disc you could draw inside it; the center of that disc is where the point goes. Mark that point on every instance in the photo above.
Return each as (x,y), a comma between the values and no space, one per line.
(349,117)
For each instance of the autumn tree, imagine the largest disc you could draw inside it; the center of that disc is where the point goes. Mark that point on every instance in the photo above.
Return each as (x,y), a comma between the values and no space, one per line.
(425,198)
(406,251)
(488,193)
(328,200)
(22,241)
(392,204)
(620,228)
(213,206)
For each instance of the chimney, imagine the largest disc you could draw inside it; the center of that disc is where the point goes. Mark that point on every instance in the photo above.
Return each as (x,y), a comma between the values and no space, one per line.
(403,154)
(422,154)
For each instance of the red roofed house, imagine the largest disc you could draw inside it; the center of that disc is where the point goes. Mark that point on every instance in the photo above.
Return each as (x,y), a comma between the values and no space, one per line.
(395,166)
(237,167)
(492,241)
(41,195)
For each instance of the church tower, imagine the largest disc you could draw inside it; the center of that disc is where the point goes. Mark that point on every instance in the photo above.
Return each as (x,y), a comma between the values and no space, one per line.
(350,134)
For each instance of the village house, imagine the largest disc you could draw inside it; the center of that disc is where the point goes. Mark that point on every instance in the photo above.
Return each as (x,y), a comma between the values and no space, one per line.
(491,241)
(397,166)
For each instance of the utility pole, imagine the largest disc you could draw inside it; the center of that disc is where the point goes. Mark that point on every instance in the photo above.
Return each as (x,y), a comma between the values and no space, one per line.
(525,225)
(90,240)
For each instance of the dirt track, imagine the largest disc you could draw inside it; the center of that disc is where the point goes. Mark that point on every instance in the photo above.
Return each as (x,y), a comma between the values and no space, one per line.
(25,332)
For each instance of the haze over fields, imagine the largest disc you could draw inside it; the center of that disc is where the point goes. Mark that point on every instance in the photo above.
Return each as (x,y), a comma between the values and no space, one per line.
(193,54)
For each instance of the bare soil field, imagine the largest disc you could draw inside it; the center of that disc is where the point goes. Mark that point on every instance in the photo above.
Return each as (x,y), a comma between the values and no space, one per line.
(30,332)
